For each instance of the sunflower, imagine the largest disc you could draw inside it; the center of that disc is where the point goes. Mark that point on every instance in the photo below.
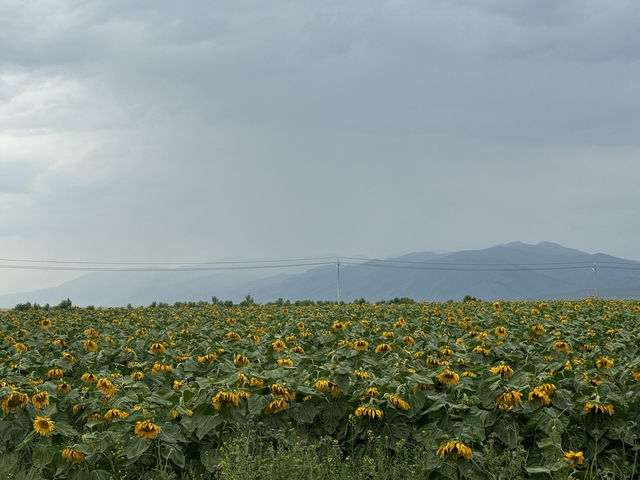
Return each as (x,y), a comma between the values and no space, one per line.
(72,455)
(598,408)
(504,370)
(278,345)
(114,413)
(89,377)
(398,402)
(234,336)
(90,345)
(360,345)
(575,457)
(106,387)
(137,375)
(45,323)
(276,405)
(146,429)
(14,401)
(241,360)
(361,375)
(157,348)
(40,399)
(501,332)
(285,362)
(604,362)
(297,349)
(55,373)
(224,399)
(63,388)
(448,377)
(458,449)
(327,386)
(507,400)
(540,395)
(561,347)
(383,347)
(369,412)
(279,391)
(370,393)
(43,425)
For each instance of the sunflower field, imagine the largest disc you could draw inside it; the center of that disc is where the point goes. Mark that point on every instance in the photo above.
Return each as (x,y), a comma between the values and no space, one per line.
(88,393)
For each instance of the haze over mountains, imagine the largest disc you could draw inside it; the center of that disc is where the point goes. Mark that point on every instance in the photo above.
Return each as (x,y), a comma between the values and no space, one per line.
(511,272)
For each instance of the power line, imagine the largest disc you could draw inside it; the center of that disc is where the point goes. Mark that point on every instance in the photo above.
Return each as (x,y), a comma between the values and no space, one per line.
(504,268)
(159,269)
(221,262)
(432,262)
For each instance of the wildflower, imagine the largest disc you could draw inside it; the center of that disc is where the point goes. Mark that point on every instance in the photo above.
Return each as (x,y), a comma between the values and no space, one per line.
(146,429)
(43,425)
(448,377)
(369,412)
(458,449)
(575,457)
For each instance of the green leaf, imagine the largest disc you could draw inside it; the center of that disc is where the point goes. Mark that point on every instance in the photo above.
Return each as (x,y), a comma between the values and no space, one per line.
(306,412)
(206,424)
(64,429)
(257,403)
(136,447)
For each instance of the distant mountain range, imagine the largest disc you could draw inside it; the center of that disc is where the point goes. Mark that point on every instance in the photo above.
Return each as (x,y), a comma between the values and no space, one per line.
(515,271)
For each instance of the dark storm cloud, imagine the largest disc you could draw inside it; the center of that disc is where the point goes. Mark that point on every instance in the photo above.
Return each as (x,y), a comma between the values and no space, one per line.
(167,131)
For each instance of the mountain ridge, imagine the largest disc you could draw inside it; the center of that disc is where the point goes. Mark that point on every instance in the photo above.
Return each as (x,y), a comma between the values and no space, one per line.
(515,270)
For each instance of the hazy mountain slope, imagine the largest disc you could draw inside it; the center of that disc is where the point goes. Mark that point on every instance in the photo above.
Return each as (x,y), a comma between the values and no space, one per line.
(422,275)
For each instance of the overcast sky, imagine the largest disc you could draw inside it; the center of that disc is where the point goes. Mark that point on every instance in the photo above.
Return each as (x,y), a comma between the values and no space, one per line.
(184,131)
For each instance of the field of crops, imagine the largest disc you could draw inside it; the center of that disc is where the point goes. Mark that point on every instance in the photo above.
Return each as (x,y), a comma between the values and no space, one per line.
(534,389)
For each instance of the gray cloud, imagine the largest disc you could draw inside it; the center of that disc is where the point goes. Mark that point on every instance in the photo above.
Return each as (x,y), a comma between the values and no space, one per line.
(148,130)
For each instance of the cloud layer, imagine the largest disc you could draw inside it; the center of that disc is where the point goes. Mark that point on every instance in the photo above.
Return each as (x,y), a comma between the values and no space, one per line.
(152,130)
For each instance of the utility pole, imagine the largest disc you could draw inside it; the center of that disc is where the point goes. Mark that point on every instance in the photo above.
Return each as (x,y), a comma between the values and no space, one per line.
(595,277)
(338,277)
